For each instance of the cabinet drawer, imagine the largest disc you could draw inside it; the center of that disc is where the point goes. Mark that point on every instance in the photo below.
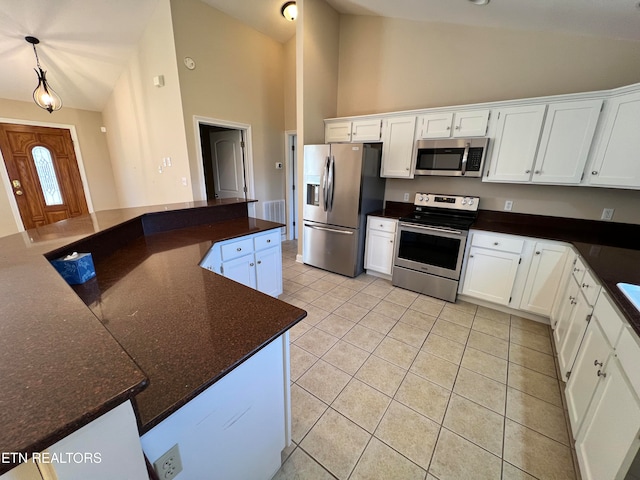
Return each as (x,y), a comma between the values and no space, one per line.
(236,249)
(608,318)
(270,239)
(590,287)
(382,224)
(628,352)
(496,242)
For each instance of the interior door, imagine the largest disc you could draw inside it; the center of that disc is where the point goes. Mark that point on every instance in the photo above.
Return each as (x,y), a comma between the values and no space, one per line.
(228,165)
(44,173)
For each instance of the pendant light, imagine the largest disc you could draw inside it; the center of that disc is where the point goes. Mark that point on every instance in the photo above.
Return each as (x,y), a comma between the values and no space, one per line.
(44,96)
(289,11)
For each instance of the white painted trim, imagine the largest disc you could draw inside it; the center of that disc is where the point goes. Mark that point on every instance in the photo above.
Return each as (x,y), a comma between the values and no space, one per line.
(288,135)
(76,148)
(216,122)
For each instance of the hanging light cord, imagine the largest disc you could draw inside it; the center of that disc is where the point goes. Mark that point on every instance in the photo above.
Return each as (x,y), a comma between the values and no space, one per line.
(36,54)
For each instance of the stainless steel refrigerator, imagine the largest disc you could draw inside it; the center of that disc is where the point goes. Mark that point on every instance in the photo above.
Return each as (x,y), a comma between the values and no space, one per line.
(342,185)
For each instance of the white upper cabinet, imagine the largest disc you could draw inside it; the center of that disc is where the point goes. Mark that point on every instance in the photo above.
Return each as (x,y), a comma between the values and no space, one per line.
(617,159)
(365,130)
(471,123)
(397,147)
(337,132)
(514,136)
(368,130)
(565,141)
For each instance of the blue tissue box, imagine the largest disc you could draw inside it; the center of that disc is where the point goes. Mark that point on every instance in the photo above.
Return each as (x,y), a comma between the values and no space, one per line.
(76,268)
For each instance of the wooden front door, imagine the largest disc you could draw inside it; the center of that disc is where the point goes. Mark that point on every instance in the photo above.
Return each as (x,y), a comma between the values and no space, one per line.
(43,172)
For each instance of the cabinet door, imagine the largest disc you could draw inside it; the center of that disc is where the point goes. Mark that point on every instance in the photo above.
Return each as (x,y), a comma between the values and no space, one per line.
(471,123)
(544,278)
(269,271)
(574,332)
(397,149)
(608,438)
(379,251)
(565,141)
(490,275)
(337,132)
(515,142)
(436,125)
(561,325)
(616,162)
(366,130)
(242,270)
(582,384)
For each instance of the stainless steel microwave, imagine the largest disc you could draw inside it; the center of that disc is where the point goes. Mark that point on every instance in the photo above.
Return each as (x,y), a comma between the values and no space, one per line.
(451,157)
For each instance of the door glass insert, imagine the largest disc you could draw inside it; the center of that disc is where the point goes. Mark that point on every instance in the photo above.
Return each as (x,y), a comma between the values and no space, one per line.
(47,176)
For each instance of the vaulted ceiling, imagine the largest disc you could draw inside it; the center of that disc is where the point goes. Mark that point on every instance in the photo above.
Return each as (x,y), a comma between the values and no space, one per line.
(85,44)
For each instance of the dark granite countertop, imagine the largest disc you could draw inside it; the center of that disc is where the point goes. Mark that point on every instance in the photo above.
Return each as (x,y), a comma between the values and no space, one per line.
(611,250)
(60,368)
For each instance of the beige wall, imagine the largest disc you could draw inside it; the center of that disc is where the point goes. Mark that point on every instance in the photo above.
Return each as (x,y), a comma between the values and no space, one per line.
(93,148)
(238,78)
(145,123)
(290,84)
(390,64)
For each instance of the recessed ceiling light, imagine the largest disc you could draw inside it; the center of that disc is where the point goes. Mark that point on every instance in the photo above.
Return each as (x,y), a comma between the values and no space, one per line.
(479,2)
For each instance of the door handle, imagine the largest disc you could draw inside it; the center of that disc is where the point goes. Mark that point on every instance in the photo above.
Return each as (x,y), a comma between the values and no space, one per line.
(16,183)
(326,229)
(325,189)
(19,192)
(332,169)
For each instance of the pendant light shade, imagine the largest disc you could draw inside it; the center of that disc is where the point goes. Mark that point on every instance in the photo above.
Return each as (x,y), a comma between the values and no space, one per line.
(289,11)
(44,96)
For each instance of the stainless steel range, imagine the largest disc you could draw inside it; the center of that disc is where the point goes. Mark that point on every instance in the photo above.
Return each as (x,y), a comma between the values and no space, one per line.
(430,244)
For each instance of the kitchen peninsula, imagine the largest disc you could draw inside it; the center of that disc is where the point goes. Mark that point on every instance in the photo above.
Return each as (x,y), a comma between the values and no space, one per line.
(159,330)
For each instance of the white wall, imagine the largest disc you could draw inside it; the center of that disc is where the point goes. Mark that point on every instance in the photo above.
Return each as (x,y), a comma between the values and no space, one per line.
(145,123)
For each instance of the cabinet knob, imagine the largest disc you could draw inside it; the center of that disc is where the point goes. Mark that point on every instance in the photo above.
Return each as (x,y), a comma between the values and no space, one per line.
(259,262)
(537,172)
(537,253)
(527,171)
(390,241)
(239,249)
(448,127)
(407,168)
(584,285)
(251,264)
(597,363)
(573,302)
(602,374)
(381,225)
(576,270)
(595,172)
(457,127)
(496,243)
(556,323)
(269,240)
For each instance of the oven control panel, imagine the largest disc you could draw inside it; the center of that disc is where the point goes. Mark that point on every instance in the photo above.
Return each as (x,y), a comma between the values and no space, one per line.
(451,202)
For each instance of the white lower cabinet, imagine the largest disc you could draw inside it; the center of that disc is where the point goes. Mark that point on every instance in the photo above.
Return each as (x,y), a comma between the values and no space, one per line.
(490,275)
(544,277)
(253,260)
(380,245)
(107,448)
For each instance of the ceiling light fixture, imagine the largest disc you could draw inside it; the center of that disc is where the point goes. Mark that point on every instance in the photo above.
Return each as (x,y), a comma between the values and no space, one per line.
(289,11)
(44,96)
(479,2)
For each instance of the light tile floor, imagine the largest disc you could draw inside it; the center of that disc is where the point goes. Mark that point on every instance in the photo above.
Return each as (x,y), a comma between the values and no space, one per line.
(389,384)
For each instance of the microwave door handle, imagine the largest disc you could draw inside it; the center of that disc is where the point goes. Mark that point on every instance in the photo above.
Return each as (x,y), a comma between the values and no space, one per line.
(463,168)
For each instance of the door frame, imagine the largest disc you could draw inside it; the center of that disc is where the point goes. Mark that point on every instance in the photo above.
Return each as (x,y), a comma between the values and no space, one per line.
(4,176)
(291,167)
(248,157)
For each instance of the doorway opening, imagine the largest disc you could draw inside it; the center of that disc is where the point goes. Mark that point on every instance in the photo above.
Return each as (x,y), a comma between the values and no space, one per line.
(225,160)
(42,173)
(291,197)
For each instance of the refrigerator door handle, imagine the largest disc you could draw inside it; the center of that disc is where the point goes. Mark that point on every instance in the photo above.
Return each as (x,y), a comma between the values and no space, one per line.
(325,186)
(331,186)
(327,229)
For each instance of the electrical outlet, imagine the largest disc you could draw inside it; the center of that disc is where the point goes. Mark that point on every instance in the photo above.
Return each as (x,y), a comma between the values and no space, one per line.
(508,205)
(169,465)
(406,197)
(184,181)
(607,214)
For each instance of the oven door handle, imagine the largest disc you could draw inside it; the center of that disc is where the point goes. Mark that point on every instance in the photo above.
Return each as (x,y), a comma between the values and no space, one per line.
(432,229)
(465,155)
